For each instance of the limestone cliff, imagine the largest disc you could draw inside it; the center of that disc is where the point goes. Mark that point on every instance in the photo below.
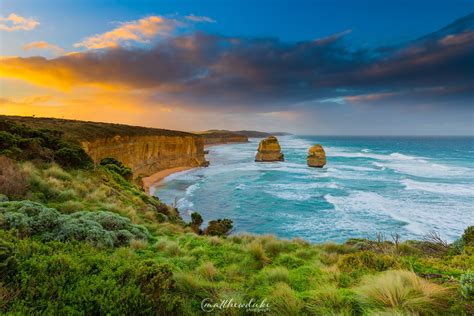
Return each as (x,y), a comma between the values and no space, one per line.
(269,150)
(149,154)
(316,156)
(215,137)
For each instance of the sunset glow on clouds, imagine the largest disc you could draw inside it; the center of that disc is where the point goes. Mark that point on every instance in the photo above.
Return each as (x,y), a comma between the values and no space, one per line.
(158,70)
(14,22)
(43,45)
(134,31)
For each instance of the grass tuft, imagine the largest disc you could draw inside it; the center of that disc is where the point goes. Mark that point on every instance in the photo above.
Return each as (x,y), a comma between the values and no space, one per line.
(402,291)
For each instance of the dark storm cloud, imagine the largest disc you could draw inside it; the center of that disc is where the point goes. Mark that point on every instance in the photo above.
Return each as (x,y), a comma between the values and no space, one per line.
(212,70)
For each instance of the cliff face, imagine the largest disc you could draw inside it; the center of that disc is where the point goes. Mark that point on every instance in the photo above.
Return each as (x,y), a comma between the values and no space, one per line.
(150,153)
(214,137)
(225,140)
(145,150)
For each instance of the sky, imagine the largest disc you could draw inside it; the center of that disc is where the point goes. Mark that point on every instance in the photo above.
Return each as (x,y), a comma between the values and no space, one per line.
(306,67)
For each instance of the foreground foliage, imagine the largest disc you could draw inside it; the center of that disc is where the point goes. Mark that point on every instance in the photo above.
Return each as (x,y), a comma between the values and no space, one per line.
(101,229)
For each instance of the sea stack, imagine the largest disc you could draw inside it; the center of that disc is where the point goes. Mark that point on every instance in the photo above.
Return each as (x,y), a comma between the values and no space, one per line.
(269,150)
(316,156)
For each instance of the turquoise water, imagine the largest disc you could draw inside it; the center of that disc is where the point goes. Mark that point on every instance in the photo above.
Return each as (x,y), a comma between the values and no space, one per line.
(408,185)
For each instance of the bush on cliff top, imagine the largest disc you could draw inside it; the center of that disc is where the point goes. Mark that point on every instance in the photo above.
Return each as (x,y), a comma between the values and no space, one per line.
(219,227)
(117,167)
(23,143)
(103,229)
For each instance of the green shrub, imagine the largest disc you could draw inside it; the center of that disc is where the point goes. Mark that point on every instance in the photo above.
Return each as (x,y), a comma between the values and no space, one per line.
(220,227)
(348,247)
(103,229)
(118,167)
(196,221)
(289,261)
(273,246)
(72,156)
(468,236)
(8,262)
(7,140)
(157,283)
(75,279)
(366,260)
(25,143)
(467,285)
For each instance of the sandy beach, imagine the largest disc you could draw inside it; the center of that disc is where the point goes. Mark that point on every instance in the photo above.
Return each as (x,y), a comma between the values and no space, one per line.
(156,178)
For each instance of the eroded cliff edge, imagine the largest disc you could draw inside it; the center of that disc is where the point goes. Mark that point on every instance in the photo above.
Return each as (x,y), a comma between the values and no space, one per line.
(150,153)
(145,150)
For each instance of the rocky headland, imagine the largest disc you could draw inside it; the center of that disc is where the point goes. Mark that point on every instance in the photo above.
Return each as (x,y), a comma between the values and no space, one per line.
(145,150)
(217,137)
(258,134)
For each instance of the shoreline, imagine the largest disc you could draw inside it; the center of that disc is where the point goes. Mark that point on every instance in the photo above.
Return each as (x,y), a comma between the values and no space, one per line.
(156,179)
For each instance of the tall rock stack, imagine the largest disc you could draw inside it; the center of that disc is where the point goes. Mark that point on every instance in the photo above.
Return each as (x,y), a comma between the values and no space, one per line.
(316,156)
(269,150)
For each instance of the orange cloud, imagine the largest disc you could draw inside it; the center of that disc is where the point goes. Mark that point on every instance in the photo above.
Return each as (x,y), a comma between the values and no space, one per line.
(136,31)
(14,22)
(90,104)
(44,45)
(35,100)
(55,73)
(34,71)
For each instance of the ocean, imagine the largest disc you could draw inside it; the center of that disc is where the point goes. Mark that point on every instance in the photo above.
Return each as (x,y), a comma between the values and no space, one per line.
(405,185)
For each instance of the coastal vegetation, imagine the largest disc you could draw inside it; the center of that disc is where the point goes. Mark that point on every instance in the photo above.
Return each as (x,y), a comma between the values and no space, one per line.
(81,239)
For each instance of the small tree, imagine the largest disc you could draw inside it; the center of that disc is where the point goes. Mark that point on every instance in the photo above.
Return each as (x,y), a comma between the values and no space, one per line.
(468,236)
(220,227)
(196,221)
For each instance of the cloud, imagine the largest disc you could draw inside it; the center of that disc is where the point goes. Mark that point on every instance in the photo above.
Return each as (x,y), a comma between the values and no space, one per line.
(458,39)
(14,22)
(252,74)
(196,18)
(44,45)
(368,97)
(332,38)
(134,31)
